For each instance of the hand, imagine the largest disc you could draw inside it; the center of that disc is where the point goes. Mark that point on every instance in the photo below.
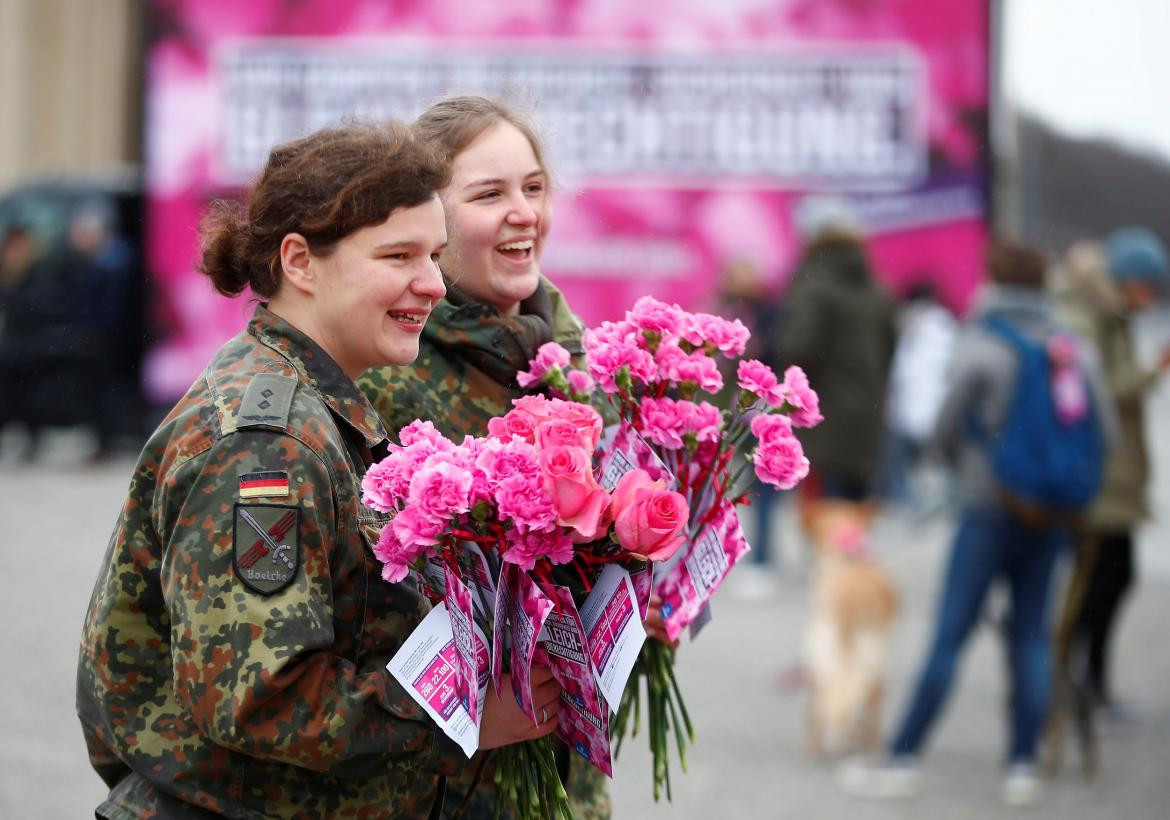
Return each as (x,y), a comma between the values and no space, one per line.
(504,722)
(656,625)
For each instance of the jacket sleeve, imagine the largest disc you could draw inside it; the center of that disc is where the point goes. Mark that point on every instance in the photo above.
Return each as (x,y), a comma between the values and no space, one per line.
(968,382)
(263,674)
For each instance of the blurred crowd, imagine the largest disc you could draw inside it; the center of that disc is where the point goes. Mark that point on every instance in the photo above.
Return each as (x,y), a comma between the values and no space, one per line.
(70,320)
(927,411)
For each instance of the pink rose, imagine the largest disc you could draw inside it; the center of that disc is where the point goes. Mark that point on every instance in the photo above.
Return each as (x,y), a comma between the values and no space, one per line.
(582,416)
(516,422)
(580,501)
(558,433)
(648,518)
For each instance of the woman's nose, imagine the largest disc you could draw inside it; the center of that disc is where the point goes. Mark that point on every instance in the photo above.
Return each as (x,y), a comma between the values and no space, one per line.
(430,281)
(521,212)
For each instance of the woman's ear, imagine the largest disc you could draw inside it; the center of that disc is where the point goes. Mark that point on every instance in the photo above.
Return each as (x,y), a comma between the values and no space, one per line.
(296,263)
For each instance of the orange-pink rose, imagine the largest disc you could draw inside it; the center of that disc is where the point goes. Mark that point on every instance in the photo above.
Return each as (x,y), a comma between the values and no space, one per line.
(648,518)
(580,501)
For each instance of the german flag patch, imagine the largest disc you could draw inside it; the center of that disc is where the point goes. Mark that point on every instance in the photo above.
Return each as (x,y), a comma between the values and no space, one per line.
(268,484)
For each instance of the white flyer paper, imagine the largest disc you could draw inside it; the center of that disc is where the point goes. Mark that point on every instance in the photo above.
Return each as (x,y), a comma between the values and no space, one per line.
(614,630)
(425,666)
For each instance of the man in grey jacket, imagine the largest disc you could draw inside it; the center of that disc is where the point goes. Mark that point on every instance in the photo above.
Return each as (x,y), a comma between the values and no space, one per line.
(992,542)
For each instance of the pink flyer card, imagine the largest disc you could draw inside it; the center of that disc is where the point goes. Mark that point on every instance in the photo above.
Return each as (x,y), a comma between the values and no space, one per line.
(470,649)
(686,583)
(505,586)
(585,730)
(643,581)
(614,630)
(425,667)
(623,449)
(482,585)
(530,608)
(583,721)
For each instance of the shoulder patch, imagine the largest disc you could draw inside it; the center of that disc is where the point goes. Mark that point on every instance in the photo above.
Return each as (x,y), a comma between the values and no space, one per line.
(266,401)
(266,546)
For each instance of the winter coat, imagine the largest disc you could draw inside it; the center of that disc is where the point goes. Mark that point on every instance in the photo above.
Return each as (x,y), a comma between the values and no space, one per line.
(840,326)
(1089,301)
(234,653)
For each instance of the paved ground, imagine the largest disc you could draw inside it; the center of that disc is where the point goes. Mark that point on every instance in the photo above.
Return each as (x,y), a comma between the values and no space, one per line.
(747,761)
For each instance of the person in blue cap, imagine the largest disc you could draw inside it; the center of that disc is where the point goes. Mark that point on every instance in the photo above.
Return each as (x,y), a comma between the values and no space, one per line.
(1101,289)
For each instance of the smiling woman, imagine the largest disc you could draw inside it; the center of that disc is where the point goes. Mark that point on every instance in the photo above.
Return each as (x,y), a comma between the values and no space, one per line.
(234,653)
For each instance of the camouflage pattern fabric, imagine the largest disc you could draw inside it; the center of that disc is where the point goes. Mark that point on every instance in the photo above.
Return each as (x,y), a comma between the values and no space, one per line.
(199,693)
(465,373)
(468,357)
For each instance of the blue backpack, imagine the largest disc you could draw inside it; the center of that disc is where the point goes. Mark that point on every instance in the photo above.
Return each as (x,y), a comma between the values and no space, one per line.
(1038,458)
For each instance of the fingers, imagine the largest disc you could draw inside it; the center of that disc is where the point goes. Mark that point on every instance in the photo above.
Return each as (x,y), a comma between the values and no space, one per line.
(656,625)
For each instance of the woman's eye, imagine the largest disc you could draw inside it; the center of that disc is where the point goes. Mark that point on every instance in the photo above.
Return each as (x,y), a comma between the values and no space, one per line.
(488,195)
(397,257)
(536,188)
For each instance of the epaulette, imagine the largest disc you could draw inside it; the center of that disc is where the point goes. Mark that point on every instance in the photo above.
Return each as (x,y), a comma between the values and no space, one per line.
(267,401)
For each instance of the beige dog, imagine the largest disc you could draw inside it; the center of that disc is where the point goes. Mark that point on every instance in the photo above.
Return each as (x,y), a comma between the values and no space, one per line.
(853,608)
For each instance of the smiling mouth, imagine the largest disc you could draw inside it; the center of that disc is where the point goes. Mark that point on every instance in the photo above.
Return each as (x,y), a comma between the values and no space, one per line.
(519,251)
(407,318)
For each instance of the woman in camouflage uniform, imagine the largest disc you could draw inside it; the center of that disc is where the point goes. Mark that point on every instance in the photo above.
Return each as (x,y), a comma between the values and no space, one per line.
(233,656)
(498,311)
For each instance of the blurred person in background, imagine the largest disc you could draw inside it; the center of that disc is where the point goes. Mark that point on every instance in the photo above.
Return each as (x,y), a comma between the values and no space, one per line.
(233,658)
(926,339)
(840,327)
(39,338)
(1100,290)
(744,295)
(101,273)
(994,541)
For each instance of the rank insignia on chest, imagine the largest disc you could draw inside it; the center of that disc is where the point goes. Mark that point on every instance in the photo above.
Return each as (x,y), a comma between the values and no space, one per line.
(266,546)
(268,484)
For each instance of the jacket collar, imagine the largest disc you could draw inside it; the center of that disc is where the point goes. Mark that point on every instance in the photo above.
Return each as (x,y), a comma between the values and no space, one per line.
(318,370)
(496,344)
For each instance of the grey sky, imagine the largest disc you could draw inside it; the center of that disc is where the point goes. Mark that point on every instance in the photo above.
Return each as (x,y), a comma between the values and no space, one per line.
(1092,68)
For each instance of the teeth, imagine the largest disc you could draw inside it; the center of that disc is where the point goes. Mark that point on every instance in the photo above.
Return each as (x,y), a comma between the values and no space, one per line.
(406,317)
(523,245)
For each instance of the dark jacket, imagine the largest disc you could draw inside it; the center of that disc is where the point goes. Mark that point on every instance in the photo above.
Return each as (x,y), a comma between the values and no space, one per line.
(840,327)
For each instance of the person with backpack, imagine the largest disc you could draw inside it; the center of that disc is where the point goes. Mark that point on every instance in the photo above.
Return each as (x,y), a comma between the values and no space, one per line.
(1025,422)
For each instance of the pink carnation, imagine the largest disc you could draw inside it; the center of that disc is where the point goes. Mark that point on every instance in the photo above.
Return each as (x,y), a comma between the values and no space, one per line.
(524,500)
(781,462)
(440,490)
(549,355)
(704,330)
(424,432)
(580,382)
(608,359)
(650,314)
(662,423)
(802,398)
(704,420)
(396,557)
(771,426)
(699,369)
(415,531)
(500,459)
(525,548)
(756,377)
(379,487)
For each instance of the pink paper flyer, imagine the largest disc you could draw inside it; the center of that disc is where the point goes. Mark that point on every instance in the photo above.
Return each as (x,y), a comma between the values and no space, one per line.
(615,631)
(687,584)
(623,449)
(530,608)
(425,667)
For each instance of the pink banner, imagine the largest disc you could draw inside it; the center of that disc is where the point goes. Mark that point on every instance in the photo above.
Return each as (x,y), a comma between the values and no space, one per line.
(681,133)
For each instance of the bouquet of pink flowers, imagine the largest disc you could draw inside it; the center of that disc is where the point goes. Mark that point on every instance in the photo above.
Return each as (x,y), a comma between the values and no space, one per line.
(654,368)
(523,546)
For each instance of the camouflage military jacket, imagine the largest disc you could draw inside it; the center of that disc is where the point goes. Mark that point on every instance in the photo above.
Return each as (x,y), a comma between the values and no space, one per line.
(468,357)
(465,373)
(233,656)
